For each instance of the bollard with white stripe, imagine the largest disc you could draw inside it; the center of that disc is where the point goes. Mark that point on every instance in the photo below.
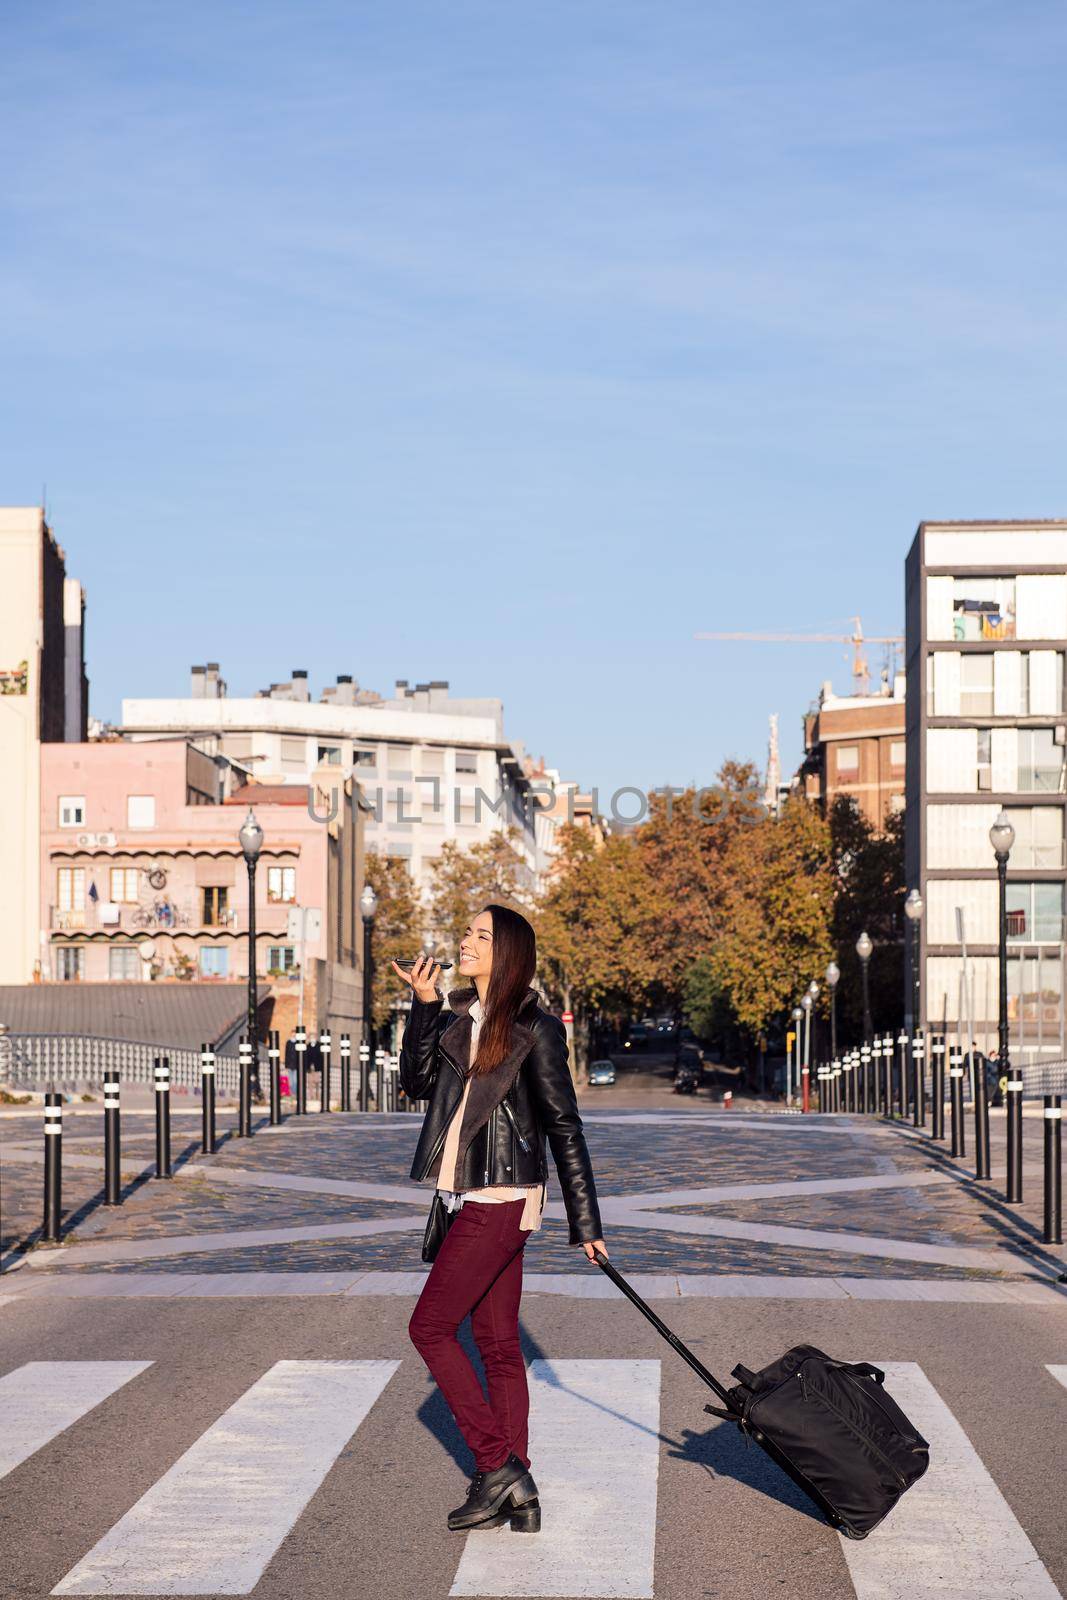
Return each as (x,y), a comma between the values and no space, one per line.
(207,1099)
(865,1078)
(903,1097)
(325,1047)
(53,1165)
(918,1086)
(244,1099)
(1014,1092)
(300,1046)
(847,1082)
(364,1076)
(1053,1121)
(274,1068)
(887,1075)
(346,1081)
(937,1086)
(112,1148)
(955,1087)
(161,1077)
(379,1064)
(981,1120)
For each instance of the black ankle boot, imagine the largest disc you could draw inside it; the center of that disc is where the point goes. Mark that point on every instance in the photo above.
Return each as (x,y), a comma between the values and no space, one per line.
(507,1488)
(523,1519)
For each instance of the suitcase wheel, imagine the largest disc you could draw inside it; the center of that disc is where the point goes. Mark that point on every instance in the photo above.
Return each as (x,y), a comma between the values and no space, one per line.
(850,1533)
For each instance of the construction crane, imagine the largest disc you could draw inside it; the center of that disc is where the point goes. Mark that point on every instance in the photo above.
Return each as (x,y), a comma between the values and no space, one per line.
(861,673)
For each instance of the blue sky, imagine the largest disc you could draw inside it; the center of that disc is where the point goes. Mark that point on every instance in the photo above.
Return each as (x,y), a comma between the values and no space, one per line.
(513,344)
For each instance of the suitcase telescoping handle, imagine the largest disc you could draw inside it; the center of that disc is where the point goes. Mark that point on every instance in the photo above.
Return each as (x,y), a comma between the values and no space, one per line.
(661,1328)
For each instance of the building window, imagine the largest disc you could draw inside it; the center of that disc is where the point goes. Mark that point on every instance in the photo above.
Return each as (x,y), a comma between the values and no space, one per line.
(294,752)
(281,885)
(466,761)
(848,762)
(329,755)
(123,963)
(214,961)
(70,888)
(140,810)
(983,608)
(976,686)
(214,907)
(897,753)
(399,759)
(985,759)
(432,762)
(364,757)
(70,963)
(123,885)
(1038,836)
(72,811)
(280,958)
(400,851)
(1035,912)
(1040,762)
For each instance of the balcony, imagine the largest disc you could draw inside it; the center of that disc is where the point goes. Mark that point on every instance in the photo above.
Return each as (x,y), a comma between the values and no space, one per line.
(164,916)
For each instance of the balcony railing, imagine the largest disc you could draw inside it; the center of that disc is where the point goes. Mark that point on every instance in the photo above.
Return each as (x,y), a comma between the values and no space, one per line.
(165,916)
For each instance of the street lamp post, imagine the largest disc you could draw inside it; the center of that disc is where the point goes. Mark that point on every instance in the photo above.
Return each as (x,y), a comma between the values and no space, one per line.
(913,910)
(793,1066)
(250,836)
(863,950)
(368,905)
(805,1070)
(1002,837)
(833,978)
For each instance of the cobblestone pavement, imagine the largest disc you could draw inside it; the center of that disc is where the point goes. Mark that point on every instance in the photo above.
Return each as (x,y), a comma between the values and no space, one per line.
(646,1165)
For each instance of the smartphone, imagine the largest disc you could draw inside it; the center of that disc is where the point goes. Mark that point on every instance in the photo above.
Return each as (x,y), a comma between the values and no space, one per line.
(445,966)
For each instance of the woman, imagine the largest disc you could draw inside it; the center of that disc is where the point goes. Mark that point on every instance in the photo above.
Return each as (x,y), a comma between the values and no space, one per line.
(494,1069)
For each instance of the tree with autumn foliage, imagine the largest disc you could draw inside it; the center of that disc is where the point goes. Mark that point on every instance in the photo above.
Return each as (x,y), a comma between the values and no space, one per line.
(397,927)
(869,894)
(464,880)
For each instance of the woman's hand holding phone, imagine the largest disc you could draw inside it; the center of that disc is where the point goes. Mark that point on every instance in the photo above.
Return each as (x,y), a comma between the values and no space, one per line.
(422,978)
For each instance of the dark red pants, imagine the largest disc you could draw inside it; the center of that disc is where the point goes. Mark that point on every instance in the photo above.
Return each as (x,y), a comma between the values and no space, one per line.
(478,1270)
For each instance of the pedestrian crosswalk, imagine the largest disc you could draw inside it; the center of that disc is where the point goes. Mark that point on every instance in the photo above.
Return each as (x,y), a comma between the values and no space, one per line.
(215,1518)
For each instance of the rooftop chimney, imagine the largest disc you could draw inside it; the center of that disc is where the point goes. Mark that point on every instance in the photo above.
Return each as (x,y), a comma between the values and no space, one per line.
(300,683)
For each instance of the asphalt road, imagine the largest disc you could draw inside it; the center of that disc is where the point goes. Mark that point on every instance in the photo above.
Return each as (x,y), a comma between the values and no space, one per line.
(194,1403)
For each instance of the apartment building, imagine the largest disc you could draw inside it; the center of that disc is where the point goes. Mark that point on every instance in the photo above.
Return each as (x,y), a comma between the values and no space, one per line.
(45,694)
(986,641)
(855,745)
(432,766)
(143,878)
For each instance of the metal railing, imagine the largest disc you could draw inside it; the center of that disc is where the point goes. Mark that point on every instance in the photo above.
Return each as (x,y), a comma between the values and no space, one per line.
(68,1060)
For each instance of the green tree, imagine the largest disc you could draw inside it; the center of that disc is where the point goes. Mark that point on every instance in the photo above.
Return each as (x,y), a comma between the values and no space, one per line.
(869,894)
(465,880)
(398,928)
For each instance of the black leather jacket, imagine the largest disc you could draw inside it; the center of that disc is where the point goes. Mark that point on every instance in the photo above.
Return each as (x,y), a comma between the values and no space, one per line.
(510,1111)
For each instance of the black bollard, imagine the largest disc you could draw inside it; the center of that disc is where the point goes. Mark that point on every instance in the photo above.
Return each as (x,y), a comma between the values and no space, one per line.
(53,1166)
(244,1097)
(301,1046)
(839,1086)
(1053,1120)
(982,1166)
(379,1087)
(364,1076)
(955,1085)
(902,1074)
(112,1147)
(207,1100)
(865,1078)
(274,1070)
(161,1075)
(325,1046)
(937,1086)
(346,1064)
(846,1081)
(918,1081)
(1014,1091)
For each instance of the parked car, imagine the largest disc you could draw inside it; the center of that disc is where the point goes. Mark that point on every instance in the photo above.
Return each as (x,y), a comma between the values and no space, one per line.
(602,1073)
(638,1037)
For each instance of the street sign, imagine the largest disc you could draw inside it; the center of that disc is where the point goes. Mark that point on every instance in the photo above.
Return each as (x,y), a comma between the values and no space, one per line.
(305,922)
(568,1016)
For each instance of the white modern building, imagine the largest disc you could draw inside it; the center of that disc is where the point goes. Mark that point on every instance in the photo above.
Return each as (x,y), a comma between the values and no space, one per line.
(986,730)
(432,767)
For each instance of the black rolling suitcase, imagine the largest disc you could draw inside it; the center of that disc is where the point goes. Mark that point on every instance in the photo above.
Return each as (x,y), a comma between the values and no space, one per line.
(829,1424)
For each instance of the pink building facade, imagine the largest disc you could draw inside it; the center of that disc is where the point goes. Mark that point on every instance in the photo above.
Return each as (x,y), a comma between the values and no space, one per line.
(143,878)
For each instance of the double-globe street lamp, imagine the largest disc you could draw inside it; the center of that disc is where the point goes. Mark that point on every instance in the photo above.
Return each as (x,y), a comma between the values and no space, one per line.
(368,907)
(250,836)
(1002,837)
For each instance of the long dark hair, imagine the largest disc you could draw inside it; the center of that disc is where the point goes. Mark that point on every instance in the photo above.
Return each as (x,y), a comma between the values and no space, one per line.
(514,965)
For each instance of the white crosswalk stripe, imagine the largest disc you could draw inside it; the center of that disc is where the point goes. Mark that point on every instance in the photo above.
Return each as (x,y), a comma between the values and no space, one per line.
(43,1398)
(953,1533)
(214,1520)
(594,1435)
